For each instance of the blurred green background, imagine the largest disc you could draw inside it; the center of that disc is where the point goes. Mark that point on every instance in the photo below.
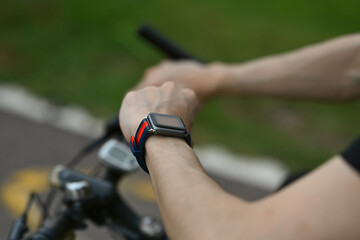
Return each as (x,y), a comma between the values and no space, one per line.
(86,53)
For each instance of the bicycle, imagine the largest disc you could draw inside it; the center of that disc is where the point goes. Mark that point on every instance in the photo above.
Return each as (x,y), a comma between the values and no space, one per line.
(94,196)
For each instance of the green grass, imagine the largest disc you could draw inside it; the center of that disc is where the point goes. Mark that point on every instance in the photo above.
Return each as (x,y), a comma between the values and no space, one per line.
(86,53)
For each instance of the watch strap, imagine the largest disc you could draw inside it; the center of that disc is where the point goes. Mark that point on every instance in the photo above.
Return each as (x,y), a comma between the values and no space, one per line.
(137,143)
(188,138)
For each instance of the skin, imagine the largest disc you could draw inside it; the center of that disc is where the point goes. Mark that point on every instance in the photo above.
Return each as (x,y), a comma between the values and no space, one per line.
(322,205)
(328,71)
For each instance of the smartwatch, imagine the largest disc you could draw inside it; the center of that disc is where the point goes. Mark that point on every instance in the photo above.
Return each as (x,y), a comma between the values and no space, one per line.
(160,124)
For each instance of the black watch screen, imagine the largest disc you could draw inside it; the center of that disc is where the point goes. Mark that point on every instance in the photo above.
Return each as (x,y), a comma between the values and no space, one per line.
(167,121)
(167,125)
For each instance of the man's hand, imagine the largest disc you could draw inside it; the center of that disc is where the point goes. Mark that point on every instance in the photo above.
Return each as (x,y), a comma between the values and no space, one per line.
(166,99)
(202,79)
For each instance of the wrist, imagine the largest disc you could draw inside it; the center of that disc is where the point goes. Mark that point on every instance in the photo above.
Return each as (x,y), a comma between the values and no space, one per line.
(164,143)
(163,152)
(157,124)
(219,75)
(129,126)
(254,78)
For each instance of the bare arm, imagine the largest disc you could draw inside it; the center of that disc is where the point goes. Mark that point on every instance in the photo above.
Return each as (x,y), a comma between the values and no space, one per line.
(324,205)
(191,204)
(325,71)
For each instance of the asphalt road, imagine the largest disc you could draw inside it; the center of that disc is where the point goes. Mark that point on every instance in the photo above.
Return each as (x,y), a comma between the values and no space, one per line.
(28,149)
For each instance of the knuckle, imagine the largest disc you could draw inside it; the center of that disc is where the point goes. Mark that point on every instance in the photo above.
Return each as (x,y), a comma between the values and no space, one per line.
(169,85)
(130,94)
(190,93)
(129,97)
(192,96)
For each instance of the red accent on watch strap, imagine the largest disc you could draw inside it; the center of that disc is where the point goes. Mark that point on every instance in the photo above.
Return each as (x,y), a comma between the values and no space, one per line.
(132,140)
(141,130)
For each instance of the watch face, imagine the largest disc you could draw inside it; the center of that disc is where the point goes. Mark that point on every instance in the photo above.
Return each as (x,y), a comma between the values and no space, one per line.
(167,121)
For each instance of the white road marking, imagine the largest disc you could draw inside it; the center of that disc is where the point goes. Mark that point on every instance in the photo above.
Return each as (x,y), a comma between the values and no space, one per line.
(261,172)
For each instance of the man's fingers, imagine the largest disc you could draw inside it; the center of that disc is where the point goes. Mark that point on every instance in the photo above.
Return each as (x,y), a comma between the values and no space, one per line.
(191,96)
(168,86)
(189,93)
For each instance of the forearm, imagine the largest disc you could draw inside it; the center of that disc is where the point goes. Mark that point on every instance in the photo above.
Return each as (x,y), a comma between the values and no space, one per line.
(323,205)
(192,205)
(325,71)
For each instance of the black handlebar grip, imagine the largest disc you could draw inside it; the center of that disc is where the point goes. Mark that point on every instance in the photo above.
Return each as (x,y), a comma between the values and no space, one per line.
(164,44)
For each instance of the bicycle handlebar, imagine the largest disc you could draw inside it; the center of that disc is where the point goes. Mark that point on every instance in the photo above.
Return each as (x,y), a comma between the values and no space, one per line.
(102,206)
(56,229)
(165,45)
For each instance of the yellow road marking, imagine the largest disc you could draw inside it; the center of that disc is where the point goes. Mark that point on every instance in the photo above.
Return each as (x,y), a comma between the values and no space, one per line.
(15,192)
(140,188)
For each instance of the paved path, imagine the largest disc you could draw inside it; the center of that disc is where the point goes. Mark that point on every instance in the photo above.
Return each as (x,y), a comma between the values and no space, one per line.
(26,145)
